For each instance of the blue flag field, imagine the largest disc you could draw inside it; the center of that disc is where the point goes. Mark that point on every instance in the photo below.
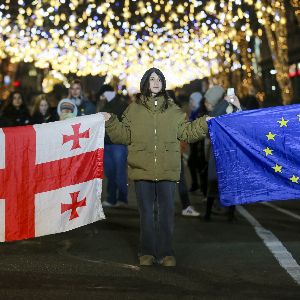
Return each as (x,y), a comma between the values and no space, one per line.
(257,154)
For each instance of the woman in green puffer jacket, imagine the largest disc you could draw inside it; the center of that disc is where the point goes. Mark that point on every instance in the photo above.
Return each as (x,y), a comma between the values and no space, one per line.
(153,128)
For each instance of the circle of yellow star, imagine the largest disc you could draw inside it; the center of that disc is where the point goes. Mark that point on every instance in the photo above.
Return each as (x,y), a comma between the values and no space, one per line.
(268,151)
(271,136)
(294,179)
(283,122)
(277,168)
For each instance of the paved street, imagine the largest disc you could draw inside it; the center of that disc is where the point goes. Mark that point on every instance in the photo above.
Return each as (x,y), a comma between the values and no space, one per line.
(216,260)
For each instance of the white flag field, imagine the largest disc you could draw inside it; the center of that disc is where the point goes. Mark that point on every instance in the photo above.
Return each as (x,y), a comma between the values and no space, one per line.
(51,177)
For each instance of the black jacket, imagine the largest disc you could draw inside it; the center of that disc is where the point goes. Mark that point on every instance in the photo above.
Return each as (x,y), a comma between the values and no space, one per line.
(14,117)
(38,118)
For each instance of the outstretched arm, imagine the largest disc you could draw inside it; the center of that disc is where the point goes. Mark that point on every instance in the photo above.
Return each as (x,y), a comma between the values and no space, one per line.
(118,131)
(193,131)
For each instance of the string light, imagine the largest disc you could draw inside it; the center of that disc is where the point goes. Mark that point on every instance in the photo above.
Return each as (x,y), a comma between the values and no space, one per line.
(185,39)
(273,15)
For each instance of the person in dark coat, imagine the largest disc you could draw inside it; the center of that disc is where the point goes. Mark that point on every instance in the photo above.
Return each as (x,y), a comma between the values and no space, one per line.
(196,162)
(15,112)
(217,105)
(115,155)
(194,159)
(187,209)
(84,105)
(41,110)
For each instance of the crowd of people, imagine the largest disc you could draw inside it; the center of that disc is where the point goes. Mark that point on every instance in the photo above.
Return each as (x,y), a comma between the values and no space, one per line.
(147,141)
(16,112)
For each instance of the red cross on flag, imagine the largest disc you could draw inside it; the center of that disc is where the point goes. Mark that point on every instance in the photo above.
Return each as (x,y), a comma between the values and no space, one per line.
(50,177)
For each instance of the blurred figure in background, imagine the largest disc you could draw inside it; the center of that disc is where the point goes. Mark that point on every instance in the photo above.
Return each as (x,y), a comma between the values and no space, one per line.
(15,112)
(193,161)
(250,100)
(84,105)
(115,155)
(187,209)
(66,109)
(217,105)
(196,162)
(41,110)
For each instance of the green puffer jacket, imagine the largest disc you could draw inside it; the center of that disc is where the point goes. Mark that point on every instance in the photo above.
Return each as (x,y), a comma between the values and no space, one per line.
(153,136)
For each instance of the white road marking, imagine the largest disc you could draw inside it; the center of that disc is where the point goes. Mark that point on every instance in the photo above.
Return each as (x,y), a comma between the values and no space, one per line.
(282,210)
(283,256)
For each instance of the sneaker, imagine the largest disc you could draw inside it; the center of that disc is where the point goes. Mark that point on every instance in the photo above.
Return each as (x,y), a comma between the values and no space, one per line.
(146,260)
(169,261)
(190,212)
(107,204)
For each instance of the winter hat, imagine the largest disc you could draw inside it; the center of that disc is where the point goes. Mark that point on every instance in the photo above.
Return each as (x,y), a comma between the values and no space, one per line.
(67,104)
(195,100)
(214,94)
(147,75)
(105,88)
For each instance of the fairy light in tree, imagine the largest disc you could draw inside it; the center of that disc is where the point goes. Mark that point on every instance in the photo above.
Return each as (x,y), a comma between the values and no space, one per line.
(296,6)
(186,39)
(272,16)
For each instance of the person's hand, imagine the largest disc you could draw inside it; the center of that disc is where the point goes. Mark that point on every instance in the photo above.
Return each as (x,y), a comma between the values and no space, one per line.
(234,100)
(106,116)
(209,118)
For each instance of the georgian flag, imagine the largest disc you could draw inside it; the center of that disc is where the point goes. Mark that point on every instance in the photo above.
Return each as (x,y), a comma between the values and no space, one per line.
(50,177)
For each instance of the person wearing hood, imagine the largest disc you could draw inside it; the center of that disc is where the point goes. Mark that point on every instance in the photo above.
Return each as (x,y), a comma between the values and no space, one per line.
(217,104)
(115,155)
(153,127)
(66,109)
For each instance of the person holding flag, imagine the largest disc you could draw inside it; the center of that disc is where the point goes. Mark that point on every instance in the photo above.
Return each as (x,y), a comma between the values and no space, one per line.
(153,127)
(217,104)
(257,155)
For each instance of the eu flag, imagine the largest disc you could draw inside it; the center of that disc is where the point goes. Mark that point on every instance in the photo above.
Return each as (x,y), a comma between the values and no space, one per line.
(257,154)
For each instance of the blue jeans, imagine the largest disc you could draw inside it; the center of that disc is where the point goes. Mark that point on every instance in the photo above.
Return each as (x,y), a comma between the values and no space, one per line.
(115,169)
(156,203)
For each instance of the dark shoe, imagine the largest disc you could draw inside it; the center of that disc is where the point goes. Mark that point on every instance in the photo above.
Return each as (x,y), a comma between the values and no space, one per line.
(168,261)
(146,260)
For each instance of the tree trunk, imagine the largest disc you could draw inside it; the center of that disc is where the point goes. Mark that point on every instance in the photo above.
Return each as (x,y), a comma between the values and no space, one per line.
(276,33)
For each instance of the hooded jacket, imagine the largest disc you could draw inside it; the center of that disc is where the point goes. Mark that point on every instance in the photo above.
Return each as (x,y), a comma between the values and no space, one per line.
(153,134)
